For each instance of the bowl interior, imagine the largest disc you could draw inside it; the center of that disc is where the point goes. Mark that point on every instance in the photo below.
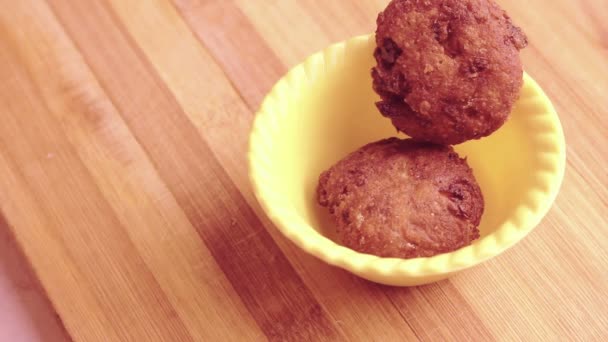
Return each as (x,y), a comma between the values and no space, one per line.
(332,113)
(323,109)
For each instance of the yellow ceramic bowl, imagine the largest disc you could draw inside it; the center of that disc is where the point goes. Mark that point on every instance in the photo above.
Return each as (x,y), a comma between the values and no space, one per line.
(324,109)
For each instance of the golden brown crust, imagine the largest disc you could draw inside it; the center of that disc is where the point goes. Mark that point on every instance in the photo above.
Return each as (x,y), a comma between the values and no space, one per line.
(402,198)
(447,70)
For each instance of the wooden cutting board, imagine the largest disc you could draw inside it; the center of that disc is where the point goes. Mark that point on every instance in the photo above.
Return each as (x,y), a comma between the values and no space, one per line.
(123,178)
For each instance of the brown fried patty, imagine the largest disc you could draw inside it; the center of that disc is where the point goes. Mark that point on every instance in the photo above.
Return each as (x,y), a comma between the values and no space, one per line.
(447,70)
(402,198)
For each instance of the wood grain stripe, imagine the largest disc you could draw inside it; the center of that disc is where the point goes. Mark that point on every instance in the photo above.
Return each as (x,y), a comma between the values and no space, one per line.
(265,281)
(85,208)
(441,307)
(598,22)
(338,24)
(273,21)
(261,72)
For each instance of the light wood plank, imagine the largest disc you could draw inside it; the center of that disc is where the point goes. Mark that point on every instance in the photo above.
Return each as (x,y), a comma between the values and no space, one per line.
(149,214)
